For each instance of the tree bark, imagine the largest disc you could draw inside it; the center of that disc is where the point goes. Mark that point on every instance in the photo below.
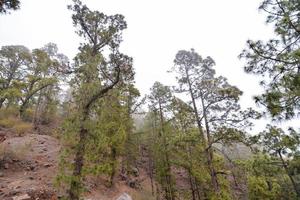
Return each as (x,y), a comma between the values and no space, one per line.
(74,192)
(198,121)
(1,102)
(170,194)
(213,174)
(191,185)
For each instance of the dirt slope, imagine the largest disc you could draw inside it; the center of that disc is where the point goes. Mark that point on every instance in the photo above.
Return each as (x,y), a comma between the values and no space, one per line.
(29,166)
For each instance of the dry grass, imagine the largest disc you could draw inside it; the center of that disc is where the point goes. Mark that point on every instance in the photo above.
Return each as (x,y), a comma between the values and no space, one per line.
(8,113)
(8,122)
(22,127)
(9,119)
(17,125)
(7,152)
(142,195)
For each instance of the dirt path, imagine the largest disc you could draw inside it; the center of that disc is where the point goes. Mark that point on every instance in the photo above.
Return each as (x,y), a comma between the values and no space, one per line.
(30,165)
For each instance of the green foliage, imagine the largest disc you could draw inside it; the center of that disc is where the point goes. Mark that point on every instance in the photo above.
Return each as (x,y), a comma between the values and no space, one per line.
(9,119)
(6,5)
(278,59)
(275,141)
(267,180)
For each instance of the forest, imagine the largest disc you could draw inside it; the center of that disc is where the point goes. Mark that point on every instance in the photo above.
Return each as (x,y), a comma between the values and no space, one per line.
(79,128)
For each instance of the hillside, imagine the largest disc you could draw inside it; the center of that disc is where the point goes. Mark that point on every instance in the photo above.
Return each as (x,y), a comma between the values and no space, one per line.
(28,166)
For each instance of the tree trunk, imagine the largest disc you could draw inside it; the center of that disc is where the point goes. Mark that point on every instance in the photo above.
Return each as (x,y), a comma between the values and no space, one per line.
(22,109)
(113,165)
(195,108)
(191,185)
(74,192)
(199,189)
(1,102)
(36,116)
(150,171)
(213,174)
(170,194)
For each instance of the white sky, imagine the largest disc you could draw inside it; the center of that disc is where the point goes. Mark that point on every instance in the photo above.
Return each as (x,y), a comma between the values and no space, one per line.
(157,29)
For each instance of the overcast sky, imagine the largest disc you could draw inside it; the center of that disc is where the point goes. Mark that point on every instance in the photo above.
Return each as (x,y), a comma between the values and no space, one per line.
(157,29)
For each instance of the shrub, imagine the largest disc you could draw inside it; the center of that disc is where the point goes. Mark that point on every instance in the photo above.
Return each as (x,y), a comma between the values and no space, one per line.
(15,123)
(8,153)
(22,128)
(8,112)
(8,122)
(28,115)
(3,152)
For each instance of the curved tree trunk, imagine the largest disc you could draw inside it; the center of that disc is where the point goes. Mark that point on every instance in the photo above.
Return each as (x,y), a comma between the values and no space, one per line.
(74,191)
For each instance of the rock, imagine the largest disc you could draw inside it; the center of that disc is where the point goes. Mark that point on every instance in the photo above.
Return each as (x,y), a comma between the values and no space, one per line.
(135,171)
(1,174)
(124,196)
(30,177)
(42,194)
(6,166)
(22,197)
(12,193)
(29,168)
(9,160)
(132,183)
(47,165)
(123,177)
(2,137)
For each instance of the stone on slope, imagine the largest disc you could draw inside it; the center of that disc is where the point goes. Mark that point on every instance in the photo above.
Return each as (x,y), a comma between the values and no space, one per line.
(124,196)
(22,197)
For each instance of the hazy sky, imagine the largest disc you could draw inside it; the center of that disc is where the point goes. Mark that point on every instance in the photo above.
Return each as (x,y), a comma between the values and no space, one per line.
(157,29)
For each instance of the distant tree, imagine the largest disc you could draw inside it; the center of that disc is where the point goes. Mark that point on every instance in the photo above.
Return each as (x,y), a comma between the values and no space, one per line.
(187,66)
(47,101)
(278,60)
(40,74)
(284,146)
(14,61)
(24,74)
(185,142)
(6,5)
(129,97)
(160,99)
(215,104)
